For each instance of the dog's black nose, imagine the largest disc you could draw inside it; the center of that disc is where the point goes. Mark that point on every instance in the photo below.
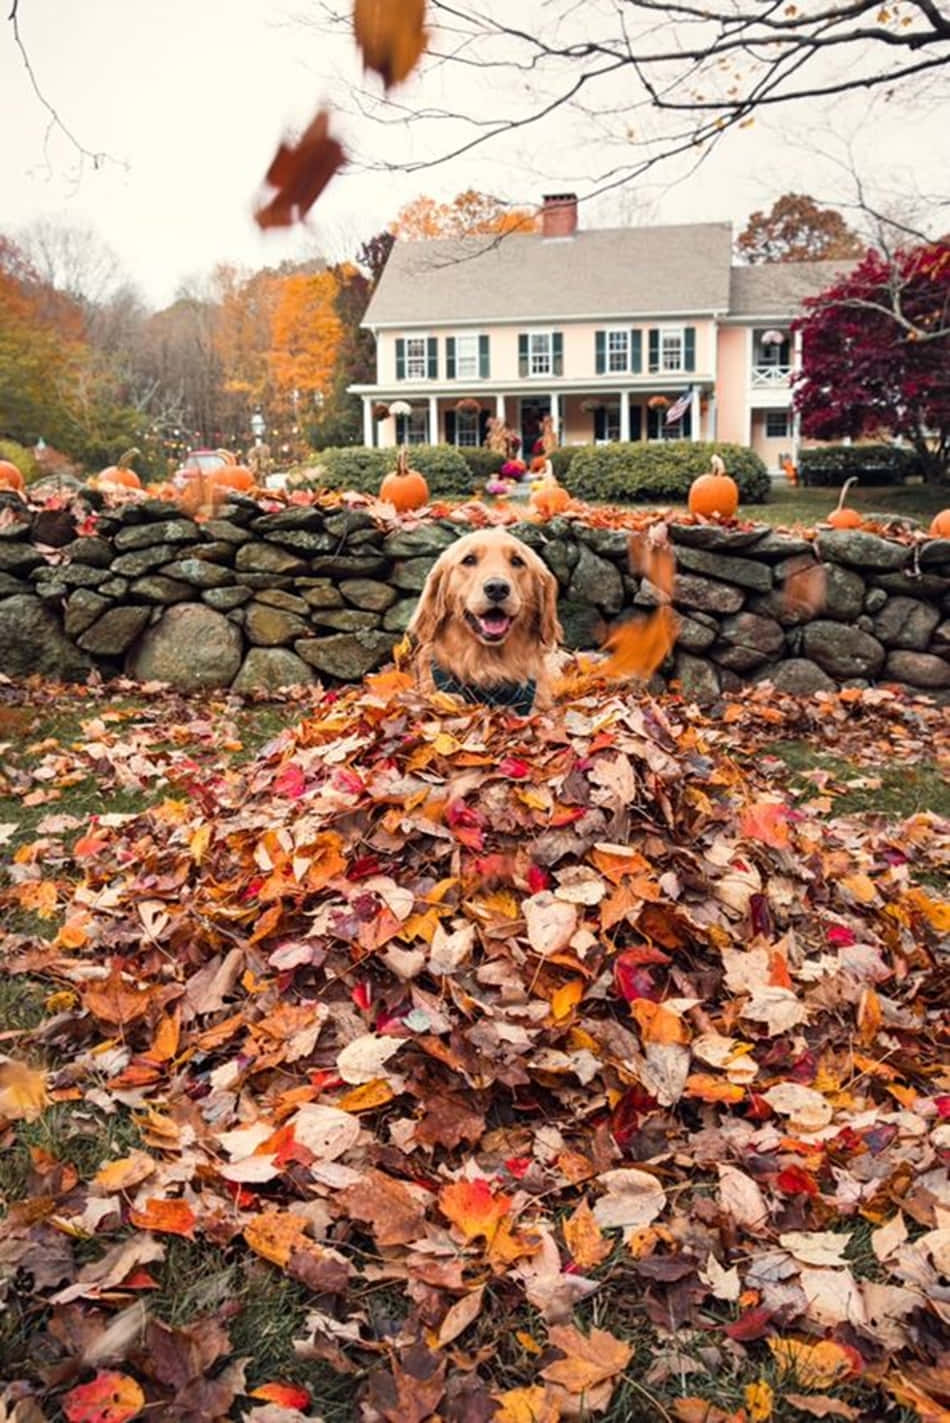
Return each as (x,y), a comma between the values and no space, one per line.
(496,590)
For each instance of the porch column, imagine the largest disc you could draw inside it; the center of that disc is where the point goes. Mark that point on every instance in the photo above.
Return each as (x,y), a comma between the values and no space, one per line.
(556,413)
(694,416)
(367,420)
(624,416)
(433,420)
(500,408)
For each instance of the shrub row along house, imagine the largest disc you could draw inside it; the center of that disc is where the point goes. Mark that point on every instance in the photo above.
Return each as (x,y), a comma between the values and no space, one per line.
(643,333)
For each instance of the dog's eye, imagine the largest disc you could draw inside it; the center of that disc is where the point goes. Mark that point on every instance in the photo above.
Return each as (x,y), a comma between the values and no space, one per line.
(517,561)
(470,559)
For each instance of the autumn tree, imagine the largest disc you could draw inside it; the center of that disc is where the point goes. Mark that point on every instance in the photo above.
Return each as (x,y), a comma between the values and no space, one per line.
(876,354)
(469,214)
(797,229)
(374,254)
(305,337)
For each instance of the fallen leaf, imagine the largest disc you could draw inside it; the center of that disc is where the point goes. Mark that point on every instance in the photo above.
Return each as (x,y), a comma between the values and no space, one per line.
(815,1366)
(108,1398)
(23,1096)
(166,1217)
(472,1207)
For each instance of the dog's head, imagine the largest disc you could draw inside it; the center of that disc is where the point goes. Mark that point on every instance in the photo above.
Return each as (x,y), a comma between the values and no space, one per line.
(491,587)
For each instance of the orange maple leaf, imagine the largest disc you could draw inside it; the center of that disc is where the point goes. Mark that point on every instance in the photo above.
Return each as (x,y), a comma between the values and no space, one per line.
(471,1206)
(299,172)
(167,1217)
(392,37)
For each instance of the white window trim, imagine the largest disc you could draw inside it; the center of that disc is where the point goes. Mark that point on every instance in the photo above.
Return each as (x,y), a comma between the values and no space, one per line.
(548,333)
(460,417)
(424,342)
(623,331)
(786,416)
(475,338)
(679,331)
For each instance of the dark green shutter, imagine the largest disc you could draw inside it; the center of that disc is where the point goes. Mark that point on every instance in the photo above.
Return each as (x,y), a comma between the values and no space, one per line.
(484,359)
(600,352)
(450,357)
(636,420)
(449,418)
(654,349)
(400,358)
(557,353)
(636,351)
(433,348)
(600,423)
(689,348)
(522,353)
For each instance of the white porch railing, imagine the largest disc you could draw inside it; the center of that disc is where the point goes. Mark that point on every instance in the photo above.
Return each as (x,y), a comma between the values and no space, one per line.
(768,377)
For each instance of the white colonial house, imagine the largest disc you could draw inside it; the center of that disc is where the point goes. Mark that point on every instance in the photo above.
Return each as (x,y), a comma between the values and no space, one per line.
(610,331)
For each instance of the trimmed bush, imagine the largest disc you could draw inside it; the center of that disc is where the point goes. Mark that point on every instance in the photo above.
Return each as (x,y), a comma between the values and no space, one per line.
(830,465)
(628,473)
(23,458)
(484,464)
(362,469)
(561,460)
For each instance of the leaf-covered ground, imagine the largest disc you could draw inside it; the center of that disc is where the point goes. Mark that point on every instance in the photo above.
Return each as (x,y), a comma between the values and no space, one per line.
(371,1058)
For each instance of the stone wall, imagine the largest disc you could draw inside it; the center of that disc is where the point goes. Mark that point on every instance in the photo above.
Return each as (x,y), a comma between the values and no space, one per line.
(268,597)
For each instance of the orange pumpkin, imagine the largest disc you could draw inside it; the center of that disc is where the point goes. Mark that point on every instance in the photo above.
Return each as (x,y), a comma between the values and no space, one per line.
(121,473)
(940,528)
(10,477)
(550,499)
(403,487)
(234,476)
(840,517)
(714,495)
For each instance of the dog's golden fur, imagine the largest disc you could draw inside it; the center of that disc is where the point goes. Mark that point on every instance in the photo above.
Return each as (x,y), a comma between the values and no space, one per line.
(460,626)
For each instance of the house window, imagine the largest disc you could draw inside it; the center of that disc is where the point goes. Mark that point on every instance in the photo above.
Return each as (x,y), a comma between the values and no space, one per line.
(772,352)
(618,345)
(466,357)
(671,350)
(539,353)
(659,429)
(776,424)
(413,429)
(466,427)
(415,358)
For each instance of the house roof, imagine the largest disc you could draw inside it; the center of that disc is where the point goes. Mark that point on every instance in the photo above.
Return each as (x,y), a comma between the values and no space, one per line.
(602,273)
(777,288)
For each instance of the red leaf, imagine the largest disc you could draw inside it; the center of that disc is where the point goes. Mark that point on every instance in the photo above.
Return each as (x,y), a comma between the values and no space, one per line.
(288,1395)
(513,768)
(754,1324)
(796,1182)
(300,172)
(109,1398)
(290,782)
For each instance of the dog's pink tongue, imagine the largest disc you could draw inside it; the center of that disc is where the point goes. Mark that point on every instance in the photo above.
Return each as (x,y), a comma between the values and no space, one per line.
(495,621)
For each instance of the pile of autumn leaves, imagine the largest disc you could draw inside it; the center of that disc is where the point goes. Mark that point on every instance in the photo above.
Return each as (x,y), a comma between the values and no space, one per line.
(508,1015)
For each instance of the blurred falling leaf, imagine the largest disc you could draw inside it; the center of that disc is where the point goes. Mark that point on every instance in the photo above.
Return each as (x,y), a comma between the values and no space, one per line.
(391,35)
(804,591)
(636,648)
(22,1092)
(299,172)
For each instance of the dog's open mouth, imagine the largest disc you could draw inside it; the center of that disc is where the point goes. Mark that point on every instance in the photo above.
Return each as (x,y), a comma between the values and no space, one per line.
(493,626)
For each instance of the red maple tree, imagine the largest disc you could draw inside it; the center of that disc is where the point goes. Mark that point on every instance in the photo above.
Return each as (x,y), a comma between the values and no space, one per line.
(876,354)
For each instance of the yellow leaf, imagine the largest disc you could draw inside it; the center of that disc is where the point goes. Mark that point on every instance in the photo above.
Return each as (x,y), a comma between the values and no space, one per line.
(367,1096)
(815,1365)
(199,843)
(23,1095)
(859,887)
(758,1401)
(275,1235)
(567,997)
(120,1175)
(526,1405)
(471,1206)
(585,1239)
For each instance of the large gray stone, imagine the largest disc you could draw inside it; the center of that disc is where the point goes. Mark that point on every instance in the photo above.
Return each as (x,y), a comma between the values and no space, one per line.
(743,571)
(143,560)
(198,572)
(269,669)
(347,656)
(412,573)
(415,543)
(398,617)
(279,598)
(906,622)
(844,592)
(920,669)
(226,598)
(934,551)
(698,679)
(842,651)
(690,590)
(191,647)
(322,595)
(346,522)
(71,575)
(797,675)
(115,630)
(368,593)
(32,642)
(774,547)
(267,558)
(272,627)
(596,581)
(583,625)
(19,558)
(223,531)
(709,536)
(340,566)
(301,516)
(609,543)
(163,531)
(10,585)
(694,636)
(304,541)
(861,550)
(155,588)
(82,609)
(345,619)
(90,549)
(561,557)
(746,640)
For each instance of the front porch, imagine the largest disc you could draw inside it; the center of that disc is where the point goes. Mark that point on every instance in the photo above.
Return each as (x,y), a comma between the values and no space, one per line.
(579,416)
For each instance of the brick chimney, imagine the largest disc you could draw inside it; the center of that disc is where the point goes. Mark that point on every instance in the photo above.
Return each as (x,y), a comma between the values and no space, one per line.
(559,215)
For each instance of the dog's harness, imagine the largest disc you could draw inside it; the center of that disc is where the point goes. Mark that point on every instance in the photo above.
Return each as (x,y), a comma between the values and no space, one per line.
(516,696)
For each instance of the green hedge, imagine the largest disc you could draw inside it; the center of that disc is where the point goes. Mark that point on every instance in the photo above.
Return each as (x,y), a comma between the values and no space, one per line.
(626,473)
(23,458)
(484,464)
(831,465)
(362,469)
(561,459)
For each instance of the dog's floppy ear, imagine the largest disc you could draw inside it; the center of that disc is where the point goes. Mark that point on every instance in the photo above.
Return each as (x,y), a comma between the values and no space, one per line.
(550,631)
(433,606)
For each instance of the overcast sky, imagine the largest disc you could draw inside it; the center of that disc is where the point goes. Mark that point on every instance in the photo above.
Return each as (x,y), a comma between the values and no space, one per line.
(188,98)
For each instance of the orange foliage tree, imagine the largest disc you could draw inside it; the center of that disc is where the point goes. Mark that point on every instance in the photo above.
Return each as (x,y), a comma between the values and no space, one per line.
(306,332)
(469,214)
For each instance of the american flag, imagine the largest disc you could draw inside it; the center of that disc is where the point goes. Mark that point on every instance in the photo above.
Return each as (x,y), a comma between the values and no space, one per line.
(679,407)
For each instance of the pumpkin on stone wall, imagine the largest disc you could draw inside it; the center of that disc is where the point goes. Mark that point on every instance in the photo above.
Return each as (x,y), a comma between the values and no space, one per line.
(120,475)
(841,517)
(404,488)
(714,495)
(11,478)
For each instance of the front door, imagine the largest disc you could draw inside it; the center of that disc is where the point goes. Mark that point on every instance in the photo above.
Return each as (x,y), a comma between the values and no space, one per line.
(533,411)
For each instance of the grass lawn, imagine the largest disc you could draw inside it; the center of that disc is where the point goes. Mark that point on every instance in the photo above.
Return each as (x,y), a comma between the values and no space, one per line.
(789,506)
(67,762)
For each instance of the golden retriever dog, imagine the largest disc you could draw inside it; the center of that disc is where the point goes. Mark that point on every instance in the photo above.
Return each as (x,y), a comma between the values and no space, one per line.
(486,625)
